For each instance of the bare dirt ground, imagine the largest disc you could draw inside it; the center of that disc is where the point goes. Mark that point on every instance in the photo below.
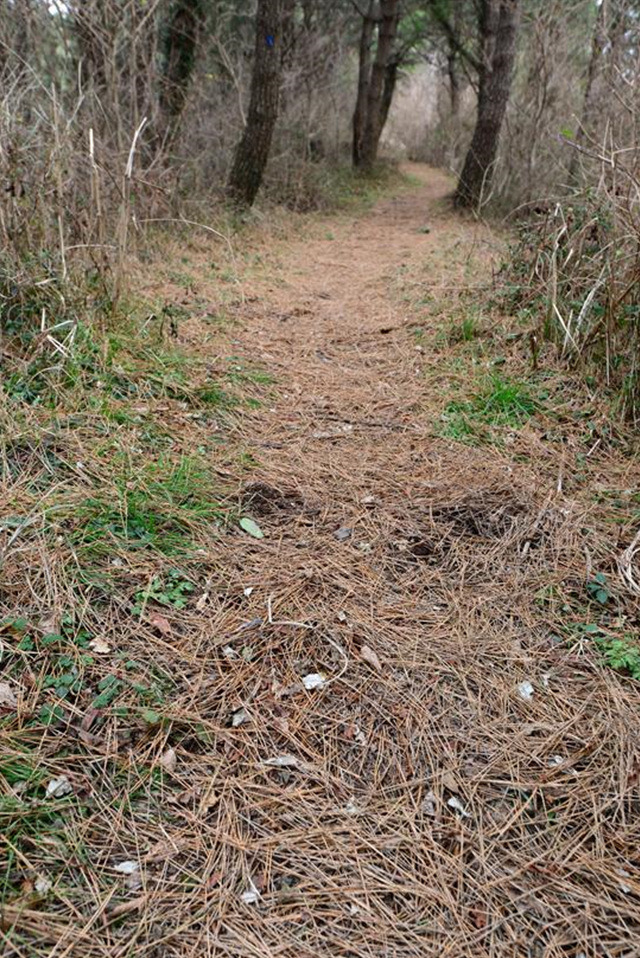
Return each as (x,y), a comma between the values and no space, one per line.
(384,744)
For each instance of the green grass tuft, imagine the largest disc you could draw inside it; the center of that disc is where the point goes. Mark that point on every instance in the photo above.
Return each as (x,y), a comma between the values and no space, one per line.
(503,403)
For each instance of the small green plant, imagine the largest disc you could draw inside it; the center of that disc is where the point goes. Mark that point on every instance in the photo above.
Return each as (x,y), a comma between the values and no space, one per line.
(158,509)
(465,331)
(174,590)
(597,588)
(622,655)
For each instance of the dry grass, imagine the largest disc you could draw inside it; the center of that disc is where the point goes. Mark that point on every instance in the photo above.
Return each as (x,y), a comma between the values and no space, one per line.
(421,804)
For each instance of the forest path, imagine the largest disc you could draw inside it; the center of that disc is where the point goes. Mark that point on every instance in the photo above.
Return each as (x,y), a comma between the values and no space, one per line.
(418,765)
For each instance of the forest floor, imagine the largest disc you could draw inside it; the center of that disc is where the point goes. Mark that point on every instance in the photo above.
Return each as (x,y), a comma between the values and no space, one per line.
(385,704)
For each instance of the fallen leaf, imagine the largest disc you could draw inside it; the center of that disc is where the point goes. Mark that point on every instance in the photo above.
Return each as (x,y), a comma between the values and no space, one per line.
(457,806)
(202,601)
(168,760)
(555,760)
(525,691)
(251,527)
(239,718)
(159,622)
(248,591)
(429,804)
(127,868)
(43,885)
(7,698)
(449,781)
(371,658)
(99,646)
(251,896)
(314,680)
(282,761)
(479,918)
(58,787)
(342,533)
(165,850)
(50,623)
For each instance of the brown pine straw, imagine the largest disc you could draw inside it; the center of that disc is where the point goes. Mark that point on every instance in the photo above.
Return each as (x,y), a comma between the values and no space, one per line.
(425,808)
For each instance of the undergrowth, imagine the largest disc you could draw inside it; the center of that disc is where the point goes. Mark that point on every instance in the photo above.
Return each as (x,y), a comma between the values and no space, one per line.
(572,276)
(499,403)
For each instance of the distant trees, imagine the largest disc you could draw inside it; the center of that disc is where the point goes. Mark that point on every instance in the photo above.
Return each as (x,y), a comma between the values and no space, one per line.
(215,88)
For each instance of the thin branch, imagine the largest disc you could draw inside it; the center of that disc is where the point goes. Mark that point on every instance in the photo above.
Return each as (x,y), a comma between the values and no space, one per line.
(452,37)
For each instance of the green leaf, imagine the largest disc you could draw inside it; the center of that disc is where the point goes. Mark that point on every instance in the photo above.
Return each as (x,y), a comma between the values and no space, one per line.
(151,716)
(251,527)
(51,638)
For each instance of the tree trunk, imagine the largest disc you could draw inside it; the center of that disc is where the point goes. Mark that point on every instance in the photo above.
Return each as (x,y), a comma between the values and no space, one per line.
(454,82)
(364,76)
(390,81)
(387,29)
(498,32)
(252,151)
(179,37)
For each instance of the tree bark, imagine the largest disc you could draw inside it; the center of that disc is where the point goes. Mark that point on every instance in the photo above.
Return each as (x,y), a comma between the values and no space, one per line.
(364,76)
(253,149)
(454,82)
(387,29)
(388,89)
(498,32)
(179,37)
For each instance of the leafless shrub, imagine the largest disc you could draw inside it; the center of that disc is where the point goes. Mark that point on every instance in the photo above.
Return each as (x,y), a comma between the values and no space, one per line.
(577,268)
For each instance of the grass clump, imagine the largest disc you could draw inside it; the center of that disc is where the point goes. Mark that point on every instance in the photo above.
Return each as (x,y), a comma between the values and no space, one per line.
(465,331)
(501,403)
(161,509)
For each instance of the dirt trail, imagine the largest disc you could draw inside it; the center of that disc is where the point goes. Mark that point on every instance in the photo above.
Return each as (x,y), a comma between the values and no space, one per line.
(430,803)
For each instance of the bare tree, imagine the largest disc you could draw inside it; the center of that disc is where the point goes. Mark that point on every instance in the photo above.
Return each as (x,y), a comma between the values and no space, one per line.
(498,27)
(252,152)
